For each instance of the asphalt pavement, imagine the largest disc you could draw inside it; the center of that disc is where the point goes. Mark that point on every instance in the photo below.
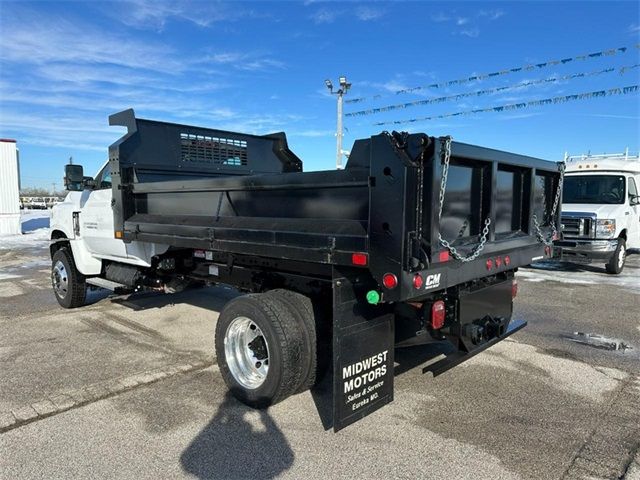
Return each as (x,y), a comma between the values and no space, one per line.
(129,388)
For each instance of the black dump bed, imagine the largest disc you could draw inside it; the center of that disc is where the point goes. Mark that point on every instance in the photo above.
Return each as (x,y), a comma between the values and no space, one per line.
(201,188)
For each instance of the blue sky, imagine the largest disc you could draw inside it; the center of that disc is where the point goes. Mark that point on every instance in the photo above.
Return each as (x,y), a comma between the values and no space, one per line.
(260,67)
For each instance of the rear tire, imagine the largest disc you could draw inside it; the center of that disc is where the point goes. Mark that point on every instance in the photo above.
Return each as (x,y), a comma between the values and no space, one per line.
(617,260)
(302,308)
(68,283)
(260,348)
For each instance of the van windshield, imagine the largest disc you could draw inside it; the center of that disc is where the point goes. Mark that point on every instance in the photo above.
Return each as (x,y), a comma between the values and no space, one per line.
(609,189)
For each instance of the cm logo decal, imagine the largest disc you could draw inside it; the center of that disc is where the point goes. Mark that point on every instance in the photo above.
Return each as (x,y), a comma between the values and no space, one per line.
(432,281)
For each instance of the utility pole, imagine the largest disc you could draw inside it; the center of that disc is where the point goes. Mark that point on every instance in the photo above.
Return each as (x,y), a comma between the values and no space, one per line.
(54,189)
(344,87)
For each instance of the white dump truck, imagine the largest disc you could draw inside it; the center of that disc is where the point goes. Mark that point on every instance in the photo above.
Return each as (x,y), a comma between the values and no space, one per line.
(600,209)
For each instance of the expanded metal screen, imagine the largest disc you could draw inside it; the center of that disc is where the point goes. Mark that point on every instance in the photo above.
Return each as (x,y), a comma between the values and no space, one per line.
(213,150)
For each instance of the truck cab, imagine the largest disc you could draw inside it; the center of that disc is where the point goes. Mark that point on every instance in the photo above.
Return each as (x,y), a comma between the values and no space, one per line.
(600,209)
(84,222)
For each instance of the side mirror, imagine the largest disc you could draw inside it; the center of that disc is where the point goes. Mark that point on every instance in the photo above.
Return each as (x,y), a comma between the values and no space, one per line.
(634,200)
(73,178)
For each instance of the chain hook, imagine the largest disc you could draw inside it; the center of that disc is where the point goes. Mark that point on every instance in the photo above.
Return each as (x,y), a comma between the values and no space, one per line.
(475,253)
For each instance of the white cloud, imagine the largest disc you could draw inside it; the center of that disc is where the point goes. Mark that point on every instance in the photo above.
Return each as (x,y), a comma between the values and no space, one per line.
(633,28)
(462,21)
(470,32)
(312,133)
(58,40)
(440,17)
(324,15)
(367,14)
(362,13)
(249,61)
(155,14)
(491,14)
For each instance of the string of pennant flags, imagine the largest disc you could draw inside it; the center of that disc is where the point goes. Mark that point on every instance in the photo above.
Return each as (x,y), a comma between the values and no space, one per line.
(489,91)
(517,106)
(483,76)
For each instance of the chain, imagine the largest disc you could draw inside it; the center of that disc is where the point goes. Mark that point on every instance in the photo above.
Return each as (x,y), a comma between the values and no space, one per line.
(556,201)
(443,187)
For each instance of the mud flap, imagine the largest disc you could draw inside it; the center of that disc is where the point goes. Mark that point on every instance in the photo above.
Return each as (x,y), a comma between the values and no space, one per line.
(363,356)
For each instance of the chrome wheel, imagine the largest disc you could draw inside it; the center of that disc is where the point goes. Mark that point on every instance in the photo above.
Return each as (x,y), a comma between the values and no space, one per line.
(247,352)
(60,279)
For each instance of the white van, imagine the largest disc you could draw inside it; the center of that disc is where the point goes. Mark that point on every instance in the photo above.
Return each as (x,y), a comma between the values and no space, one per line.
(600,209)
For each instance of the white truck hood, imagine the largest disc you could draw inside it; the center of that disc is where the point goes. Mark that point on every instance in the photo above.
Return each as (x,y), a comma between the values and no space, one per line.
(601,210)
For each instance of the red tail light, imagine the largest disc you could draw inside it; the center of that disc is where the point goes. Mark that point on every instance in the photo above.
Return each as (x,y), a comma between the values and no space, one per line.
(390,281)
(498,262)
(438,314)
(417,281)
(489,264)
(507,260)
(443,256)
(514,288)
(359,259)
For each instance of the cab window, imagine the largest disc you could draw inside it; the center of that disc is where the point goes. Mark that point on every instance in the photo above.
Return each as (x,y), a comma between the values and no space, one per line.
(103,179)
(633,191)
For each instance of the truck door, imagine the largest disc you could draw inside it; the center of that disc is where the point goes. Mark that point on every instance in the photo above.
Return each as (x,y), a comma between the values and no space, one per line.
(96,220)
(633,234)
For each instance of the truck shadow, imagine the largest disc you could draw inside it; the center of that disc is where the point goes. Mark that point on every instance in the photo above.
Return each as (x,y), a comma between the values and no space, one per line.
(212,298)
(567,267)
(238,443)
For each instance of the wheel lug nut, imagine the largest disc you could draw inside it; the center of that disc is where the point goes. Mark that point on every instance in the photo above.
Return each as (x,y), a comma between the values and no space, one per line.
(258,364)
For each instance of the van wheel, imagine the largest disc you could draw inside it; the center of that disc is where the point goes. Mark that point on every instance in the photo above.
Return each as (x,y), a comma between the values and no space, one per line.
(68,283)
(260,349)
(616,262)
(302,308)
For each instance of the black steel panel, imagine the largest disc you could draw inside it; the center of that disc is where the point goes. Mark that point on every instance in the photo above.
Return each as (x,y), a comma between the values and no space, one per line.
(494,301)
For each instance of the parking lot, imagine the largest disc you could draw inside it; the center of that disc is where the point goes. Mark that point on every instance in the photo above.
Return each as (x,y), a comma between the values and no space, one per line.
(129,387)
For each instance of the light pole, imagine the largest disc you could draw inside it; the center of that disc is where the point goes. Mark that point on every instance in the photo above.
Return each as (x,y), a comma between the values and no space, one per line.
(344,87)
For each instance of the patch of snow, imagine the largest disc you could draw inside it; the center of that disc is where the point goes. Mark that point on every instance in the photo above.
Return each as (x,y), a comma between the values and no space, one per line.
(35,231)
(8,276)
(36,239)
(583,275)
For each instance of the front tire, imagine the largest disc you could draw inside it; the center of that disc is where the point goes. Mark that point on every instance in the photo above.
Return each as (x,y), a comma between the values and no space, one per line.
(260,348)
(617,260)
(68,283)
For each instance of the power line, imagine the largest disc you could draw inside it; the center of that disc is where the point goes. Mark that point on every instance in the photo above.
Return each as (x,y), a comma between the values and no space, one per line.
(482,76)
(489,91)
(517,106)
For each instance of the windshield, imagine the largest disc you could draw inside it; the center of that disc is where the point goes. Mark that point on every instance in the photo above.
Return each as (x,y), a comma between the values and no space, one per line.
(594,189)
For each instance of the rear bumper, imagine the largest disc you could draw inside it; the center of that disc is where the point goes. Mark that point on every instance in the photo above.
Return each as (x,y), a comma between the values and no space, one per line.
(585,250)
(457,358)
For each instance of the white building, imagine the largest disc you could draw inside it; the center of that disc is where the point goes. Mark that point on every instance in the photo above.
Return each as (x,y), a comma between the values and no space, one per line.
(9,188)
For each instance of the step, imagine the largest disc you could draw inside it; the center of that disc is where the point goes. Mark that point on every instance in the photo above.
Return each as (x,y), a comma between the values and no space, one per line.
(109,285)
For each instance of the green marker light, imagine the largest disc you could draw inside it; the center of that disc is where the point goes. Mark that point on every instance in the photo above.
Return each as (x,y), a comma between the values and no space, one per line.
(373,297)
